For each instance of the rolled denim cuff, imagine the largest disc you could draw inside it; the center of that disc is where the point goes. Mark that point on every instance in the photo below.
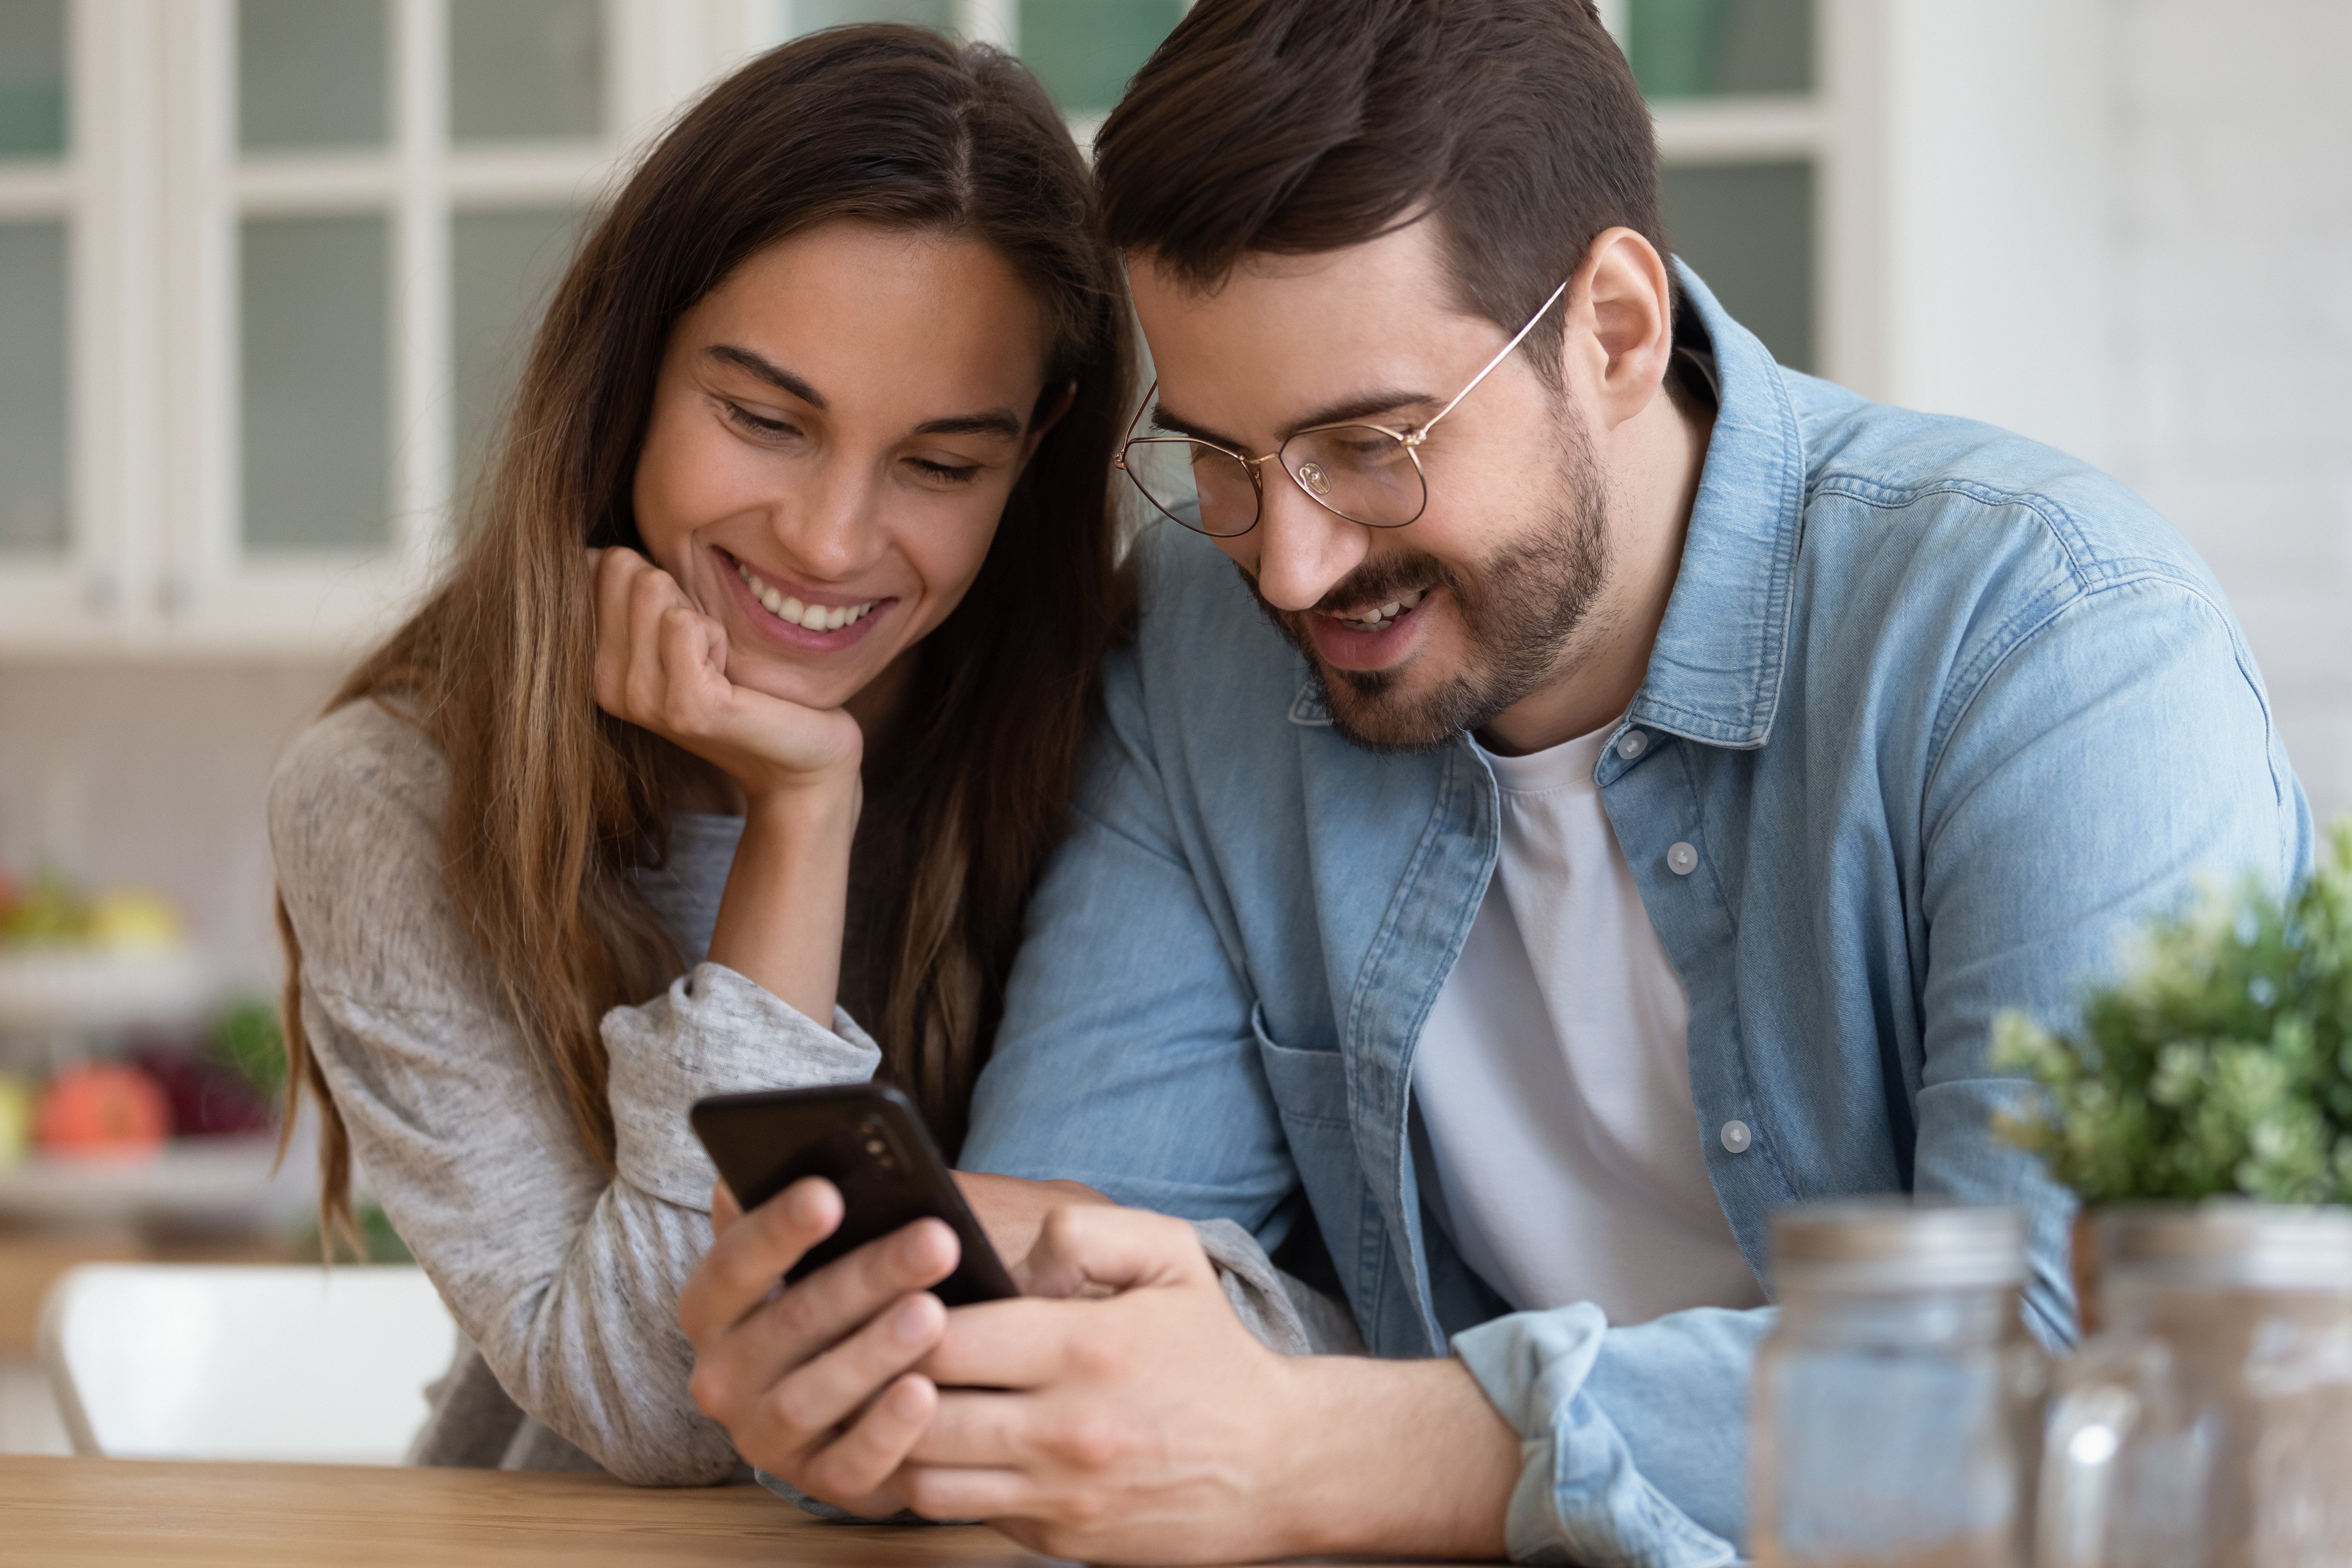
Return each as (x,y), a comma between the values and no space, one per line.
(1580,1497)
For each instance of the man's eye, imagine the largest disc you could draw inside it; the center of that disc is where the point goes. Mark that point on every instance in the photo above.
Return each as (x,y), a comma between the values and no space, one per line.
(946,473)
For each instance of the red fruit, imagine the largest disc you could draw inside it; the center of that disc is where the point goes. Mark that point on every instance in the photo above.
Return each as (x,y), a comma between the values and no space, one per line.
(102,1110)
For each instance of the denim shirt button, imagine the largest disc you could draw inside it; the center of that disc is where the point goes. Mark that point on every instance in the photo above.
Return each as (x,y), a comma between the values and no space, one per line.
(1632,744)
(1736,1137)
(1681,859)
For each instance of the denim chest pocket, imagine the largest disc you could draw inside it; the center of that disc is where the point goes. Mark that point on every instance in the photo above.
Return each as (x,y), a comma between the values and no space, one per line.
(1310,1091)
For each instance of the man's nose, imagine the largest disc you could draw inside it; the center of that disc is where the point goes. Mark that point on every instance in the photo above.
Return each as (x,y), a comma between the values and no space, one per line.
(1303,549)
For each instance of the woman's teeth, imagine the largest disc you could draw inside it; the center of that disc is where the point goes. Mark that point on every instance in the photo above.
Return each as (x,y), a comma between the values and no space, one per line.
(1379,620)
(815,617)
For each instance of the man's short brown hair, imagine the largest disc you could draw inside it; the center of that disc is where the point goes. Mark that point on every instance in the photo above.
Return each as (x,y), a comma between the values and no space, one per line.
(1299,126)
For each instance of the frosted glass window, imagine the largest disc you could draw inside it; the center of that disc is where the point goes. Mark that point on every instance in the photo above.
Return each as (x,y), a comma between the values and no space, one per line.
(504,267)
(808,16)
(32,78)
(1748,230)
(314,73)
(1085,50)
(1689,48)
(33,453)
(314,300)
(526,70)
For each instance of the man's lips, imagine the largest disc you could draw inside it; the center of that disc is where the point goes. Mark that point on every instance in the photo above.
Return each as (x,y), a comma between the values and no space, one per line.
(1375,638)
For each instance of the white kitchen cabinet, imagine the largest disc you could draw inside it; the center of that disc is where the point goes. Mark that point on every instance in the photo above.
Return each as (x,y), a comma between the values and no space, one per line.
(265,265)
(302,244)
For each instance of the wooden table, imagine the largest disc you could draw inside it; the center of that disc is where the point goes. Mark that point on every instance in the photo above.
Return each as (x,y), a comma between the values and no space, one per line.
(73,1513)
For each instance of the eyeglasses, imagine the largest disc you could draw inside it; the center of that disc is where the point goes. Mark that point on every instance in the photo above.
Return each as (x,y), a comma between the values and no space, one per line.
(1366,473)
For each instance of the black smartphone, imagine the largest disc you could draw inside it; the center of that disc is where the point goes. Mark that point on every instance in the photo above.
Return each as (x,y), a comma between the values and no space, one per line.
(867,1139)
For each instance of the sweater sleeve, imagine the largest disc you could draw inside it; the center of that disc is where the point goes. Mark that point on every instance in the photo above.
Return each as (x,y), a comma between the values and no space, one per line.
(564,1276)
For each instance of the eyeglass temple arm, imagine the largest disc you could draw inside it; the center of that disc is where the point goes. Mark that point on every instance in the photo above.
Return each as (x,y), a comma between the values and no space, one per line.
(1499,359)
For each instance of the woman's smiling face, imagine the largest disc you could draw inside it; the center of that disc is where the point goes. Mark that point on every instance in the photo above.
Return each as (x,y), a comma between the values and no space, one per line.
(835,432)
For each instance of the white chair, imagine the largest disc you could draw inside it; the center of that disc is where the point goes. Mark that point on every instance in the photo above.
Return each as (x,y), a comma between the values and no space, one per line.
(232,1362)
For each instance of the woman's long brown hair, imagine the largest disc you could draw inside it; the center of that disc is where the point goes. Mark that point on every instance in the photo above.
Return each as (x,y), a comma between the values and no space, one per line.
(551,802)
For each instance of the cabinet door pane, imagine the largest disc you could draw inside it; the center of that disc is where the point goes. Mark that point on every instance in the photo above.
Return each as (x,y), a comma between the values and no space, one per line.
(526,70)
(504,265)
(1748,230)
(317,370)
(314,73)
(32,78)
(808,16)
(1085,50)
(32,450)
(1685,48)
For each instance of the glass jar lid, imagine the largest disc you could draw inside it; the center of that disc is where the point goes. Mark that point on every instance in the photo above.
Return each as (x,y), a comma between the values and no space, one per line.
(2229,1242)
(1892,1245)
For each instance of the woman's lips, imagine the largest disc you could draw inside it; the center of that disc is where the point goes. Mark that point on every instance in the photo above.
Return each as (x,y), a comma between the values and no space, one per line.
(785,620)
(1349,642)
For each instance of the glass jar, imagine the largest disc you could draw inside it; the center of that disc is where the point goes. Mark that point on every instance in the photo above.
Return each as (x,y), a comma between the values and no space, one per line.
(1897,1403)
(2209,1424)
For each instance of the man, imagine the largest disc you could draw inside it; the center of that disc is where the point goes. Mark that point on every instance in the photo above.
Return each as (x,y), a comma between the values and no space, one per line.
(1526,847)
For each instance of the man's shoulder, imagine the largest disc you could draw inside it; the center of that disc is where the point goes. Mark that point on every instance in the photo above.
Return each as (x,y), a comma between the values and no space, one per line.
(1204,643)
(1953,493)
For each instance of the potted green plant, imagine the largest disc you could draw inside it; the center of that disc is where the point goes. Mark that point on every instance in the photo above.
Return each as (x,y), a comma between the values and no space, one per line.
(2219,1065)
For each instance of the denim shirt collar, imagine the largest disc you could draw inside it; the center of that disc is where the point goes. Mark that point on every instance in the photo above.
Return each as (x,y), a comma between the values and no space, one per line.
(1715,673)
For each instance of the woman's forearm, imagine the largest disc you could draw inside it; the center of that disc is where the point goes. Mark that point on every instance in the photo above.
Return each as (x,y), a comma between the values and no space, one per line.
(780,921)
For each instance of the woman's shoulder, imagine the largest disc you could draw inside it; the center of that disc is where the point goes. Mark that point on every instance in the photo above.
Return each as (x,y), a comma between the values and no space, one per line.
(361,778)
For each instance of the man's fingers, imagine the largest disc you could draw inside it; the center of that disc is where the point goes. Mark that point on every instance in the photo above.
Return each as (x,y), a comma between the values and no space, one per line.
(724,1210)
(744,1264)
(947,1493)
(857,1463)
(837,1300)
(1084,1245)
(1007,1345)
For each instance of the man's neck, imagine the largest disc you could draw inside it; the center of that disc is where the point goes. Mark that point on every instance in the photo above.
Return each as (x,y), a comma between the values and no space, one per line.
(1652,464)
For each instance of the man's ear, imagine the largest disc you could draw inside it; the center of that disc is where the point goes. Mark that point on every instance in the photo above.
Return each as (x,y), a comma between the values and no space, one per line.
(1619,333)
(1047,420)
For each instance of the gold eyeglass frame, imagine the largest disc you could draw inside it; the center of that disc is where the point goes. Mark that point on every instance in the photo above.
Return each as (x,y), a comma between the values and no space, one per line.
(1410,440)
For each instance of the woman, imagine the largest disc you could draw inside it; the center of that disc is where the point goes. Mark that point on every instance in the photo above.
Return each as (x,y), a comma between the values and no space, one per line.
(771,644)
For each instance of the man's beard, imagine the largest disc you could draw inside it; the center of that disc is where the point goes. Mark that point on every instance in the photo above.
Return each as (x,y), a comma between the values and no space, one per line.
(1517,610)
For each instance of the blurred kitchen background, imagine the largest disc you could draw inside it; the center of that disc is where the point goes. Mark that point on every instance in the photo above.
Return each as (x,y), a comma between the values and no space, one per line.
(266,267)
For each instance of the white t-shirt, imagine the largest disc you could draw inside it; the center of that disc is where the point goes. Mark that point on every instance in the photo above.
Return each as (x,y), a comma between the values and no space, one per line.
(1552,1077)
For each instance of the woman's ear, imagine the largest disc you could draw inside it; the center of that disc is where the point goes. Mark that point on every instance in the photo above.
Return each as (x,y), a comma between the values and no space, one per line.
(1048,419)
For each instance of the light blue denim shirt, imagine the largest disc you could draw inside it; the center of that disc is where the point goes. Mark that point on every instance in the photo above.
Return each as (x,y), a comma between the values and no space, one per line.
(1940,715)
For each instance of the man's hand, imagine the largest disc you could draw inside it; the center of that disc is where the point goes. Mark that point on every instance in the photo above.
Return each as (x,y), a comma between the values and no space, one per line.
(811,1382)
(1153,1426)
(1012,1210)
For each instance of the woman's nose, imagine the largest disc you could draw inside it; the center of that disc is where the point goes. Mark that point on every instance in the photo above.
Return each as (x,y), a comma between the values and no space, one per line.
(828,525)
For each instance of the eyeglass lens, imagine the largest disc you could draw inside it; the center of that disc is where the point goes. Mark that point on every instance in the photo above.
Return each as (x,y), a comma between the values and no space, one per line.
(1363,474)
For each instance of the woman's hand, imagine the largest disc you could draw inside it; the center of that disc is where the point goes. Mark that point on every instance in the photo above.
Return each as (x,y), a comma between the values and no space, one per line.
(661,664)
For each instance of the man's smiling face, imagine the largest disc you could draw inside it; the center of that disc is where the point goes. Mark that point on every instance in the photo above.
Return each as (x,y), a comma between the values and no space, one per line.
(1420,632)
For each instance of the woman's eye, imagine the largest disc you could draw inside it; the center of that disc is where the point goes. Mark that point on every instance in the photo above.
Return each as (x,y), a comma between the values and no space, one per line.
(946,473)
(767,429)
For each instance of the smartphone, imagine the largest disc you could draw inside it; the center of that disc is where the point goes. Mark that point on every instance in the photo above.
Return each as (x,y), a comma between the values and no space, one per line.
(867,1139)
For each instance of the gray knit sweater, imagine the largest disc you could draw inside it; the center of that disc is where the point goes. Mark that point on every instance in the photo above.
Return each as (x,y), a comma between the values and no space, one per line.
(562,1278)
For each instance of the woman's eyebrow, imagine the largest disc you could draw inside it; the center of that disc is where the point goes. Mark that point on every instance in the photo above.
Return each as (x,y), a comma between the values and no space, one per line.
(1002,422)
(767,370)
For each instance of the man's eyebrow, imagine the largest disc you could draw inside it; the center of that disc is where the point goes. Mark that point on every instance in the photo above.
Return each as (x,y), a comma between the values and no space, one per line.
(990,422)
(1361,405)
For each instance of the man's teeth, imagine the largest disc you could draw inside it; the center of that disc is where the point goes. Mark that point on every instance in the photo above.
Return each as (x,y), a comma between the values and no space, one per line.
(1379,620)
(815,617)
